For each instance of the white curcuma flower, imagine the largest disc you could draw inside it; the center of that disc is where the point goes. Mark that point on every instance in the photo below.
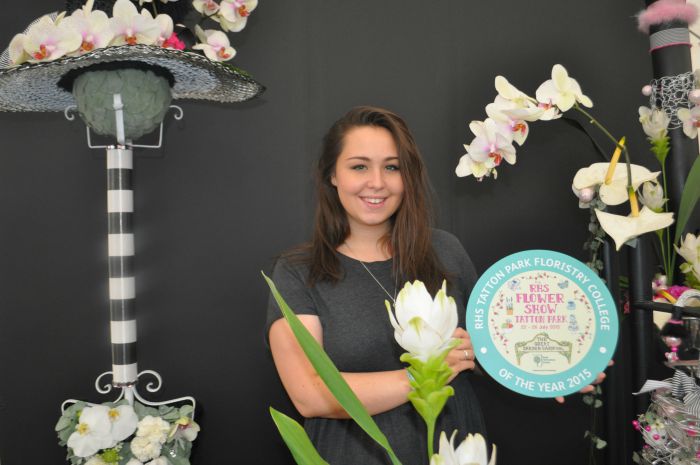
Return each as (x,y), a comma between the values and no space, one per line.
(690,251)
(155,429)
(48,40)
(145,449)
(691,121)
(93,26)
(625,228)
(206,7)
(472,451)
(124,421)
(423,326)
(131,27)
(233,14)
(92,432)
(561,91)
(654,122)
(215,44)
(652,196)
(613,192)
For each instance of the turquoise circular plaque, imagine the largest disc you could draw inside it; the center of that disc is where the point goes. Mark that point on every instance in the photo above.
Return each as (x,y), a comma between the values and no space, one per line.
(542,323)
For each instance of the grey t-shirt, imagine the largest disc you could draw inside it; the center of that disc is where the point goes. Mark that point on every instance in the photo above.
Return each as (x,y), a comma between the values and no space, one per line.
(358,337)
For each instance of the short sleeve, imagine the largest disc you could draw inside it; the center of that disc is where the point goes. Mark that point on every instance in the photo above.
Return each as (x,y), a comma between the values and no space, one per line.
(290,280)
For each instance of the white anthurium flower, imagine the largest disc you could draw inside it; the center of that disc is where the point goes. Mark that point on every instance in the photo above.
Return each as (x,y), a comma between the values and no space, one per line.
(233,14)
(423,326)
(654,122)
(206,7)
(469,167)
(614,192)
(92,432)
(491,145)
(215,45)
(131,27)
(561,90)
(516,127)
(472,451)
(690,251)
(653,196)
(48,40)
(691,121)
(625,228)
(124,421)
(93,26)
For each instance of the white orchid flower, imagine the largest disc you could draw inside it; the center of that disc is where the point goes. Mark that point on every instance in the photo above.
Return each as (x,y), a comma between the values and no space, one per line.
(472,451)
(691,121)
(625,228)
(185,428)
(48,40)
(561,90)
(16,50)
(690,251)
(654,122)
(141,2)
(93,26)
(92,433)
(423,325)
(165,26)
(233,14)
(206,7)
(124,421)
(491,145)
(512,118)
(469,167)
(652,196)
(215,45)
(615,191)
(130,27)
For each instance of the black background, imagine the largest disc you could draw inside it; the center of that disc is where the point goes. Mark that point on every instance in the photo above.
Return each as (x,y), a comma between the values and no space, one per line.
(231,188)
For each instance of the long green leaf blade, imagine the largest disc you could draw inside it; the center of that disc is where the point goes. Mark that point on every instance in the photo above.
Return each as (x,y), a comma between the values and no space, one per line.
(331,376)
(297,440)
(691,194)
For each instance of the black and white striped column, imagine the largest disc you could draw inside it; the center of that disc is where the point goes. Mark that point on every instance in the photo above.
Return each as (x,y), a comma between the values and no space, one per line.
(120,208)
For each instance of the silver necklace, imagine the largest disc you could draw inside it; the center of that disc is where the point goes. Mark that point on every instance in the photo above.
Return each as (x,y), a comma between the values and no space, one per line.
(396,280)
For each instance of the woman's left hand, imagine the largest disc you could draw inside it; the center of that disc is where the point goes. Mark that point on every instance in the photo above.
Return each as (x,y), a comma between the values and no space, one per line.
(462,356)
(599,379)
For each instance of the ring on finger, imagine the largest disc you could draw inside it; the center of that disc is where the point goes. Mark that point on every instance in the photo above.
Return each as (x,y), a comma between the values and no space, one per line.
(466,354)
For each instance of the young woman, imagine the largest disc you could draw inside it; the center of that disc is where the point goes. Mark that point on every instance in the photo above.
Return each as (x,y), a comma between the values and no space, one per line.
(372,233)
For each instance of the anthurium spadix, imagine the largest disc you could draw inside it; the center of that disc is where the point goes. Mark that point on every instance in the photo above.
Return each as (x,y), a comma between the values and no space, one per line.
(471,451)
(625,228)
(562,90)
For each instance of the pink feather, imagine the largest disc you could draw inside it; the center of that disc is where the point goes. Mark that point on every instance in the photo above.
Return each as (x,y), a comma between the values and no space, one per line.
(663,11)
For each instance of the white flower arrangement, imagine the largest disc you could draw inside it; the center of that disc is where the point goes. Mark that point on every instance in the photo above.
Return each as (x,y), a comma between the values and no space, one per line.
(118,433)
(86,30)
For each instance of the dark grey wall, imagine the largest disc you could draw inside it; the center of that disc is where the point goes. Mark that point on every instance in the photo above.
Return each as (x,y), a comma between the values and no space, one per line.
(231,189)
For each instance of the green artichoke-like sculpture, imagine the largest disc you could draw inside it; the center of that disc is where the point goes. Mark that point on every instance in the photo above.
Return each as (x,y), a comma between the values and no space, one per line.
(145,96)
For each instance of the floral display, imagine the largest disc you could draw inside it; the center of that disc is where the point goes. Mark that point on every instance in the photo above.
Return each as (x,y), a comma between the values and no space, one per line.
(86,30)
(119,433)
(690,250)
(471,451)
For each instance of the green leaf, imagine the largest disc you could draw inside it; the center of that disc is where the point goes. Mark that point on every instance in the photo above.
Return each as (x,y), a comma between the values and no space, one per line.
(330,375)
(689,198)
(64,423)
(186,410)
(297,440)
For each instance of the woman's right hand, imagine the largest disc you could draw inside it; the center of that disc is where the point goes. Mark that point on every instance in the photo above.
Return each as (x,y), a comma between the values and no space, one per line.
(461,357)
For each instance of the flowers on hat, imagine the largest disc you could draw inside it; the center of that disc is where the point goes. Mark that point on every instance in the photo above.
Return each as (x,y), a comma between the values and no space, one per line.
(86,30)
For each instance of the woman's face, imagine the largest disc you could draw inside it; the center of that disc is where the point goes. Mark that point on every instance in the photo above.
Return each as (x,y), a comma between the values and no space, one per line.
(367,177)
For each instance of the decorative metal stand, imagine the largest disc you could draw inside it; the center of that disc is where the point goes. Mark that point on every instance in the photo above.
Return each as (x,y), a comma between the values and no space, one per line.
(120,240)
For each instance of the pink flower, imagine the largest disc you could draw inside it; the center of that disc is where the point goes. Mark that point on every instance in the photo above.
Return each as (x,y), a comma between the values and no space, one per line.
(174,42)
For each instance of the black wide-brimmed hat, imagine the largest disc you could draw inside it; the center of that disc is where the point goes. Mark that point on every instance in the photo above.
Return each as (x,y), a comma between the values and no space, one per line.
(46,86)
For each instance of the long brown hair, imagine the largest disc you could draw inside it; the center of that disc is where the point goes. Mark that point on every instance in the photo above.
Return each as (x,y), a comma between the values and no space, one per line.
(409,239)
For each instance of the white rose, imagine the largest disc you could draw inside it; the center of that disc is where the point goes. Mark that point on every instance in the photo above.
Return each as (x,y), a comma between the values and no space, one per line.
(144,449)
(155,429)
